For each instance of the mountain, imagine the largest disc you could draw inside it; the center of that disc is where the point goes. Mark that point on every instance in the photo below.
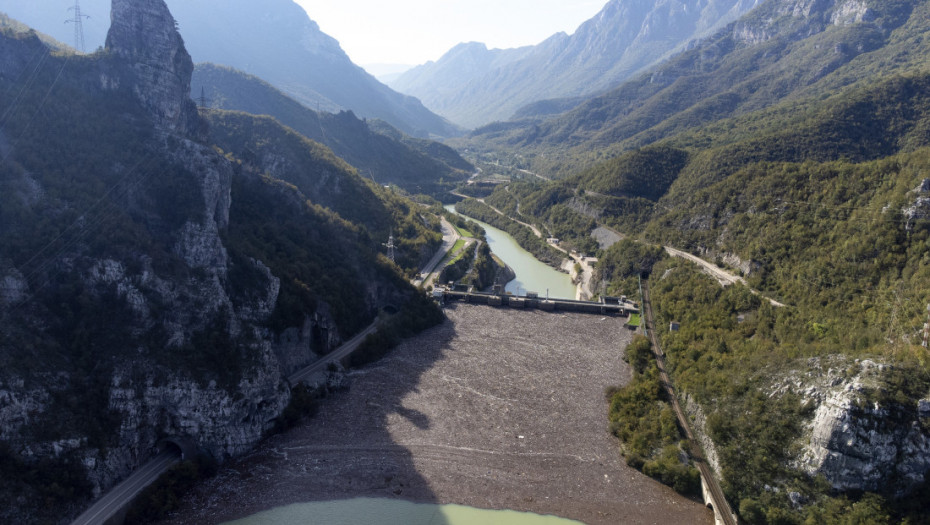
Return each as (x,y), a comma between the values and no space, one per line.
(778,52)
(274,40)
(387,72)
(472,85)
(16,26)
(389,157)
(154,284)
(441,84)
(790,149)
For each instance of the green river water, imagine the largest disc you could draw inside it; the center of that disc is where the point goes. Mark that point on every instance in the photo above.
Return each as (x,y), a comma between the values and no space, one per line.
(368,511)
(532,275)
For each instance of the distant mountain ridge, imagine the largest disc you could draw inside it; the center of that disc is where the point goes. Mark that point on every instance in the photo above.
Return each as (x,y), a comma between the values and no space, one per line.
(781,51)
(376,149)
(472,85)
(275,40)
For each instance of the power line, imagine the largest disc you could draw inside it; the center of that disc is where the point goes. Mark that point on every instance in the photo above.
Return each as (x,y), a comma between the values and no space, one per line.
(87,224)
(30,79)
(33,119)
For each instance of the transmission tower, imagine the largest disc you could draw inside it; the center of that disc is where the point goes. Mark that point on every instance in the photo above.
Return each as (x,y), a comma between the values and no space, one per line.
(78,21)
(203,101)
(390,246)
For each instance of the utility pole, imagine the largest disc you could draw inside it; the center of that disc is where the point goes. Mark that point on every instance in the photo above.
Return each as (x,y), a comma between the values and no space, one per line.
(78,21)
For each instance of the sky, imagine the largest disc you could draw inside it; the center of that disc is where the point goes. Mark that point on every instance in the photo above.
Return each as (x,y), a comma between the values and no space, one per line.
(413,32)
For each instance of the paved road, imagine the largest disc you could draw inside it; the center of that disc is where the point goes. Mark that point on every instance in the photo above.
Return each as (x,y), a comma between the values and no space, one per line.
(122,494)
(721,508)
(332,357)
(502,214)
(114,500)
(449,237)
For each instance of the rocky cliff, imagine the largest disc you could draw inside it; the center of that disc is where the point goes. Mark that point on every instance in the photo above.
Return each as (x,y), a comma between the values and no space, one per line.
(158,69)
(860,437)
(139,297)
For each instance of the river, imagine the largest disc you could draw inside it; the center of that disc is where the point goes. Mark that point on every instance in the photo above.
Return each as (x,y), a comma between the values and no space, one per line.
(532,274)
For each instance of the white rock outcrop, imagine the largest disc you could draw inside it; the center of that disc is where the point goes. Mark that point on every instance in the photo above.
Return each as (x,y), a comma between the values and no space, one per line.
(144,35)
(856,443)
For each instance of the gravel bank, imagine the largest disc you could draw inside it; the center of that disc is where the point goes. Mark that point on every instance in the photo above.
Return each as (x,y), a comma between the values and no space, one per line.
(498,409)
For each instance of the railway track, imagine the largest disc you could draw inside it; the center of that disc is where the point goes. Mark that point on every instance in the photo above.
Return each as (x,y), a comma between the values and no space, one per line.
(722,511)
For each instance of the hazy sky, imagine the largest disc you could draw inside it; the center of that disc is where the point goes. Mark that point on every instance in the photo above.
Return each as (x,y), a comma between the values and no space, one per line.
(416,31)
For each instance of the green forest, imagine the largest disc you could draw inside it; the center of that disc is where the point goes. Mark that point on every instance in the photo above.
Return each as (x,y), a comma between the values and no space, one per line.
(814,189)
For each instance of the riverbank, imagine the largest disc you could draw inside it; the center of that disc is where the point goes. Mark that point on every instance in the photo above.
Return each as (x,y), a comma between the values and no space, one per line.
(582,280)
(528,273)
(495,409)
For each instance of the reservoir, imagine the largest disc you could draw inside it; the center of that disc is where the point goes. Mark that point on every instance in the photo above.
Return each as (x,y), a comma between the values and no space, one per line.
(532,274)
(497,408)
(393,512)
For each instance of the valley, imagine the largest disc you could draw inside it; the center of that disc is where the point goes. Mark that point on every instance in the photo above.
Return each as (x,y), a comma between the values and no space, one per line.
(497,409)
(751,174)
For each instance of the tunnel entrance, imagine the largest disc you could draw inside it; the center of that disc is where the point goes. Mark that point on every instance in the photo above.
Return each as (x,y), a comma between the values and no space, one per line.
(184,446)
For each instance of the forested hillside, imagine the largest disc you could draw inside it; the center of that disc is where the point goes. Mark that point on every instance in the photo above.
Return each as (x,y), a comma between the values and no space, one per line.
(376,149)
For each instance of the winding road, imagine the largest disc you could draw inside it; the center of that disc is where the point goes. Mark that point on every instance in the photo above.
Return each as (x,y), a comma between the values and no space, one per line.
(724,277)
(121,495)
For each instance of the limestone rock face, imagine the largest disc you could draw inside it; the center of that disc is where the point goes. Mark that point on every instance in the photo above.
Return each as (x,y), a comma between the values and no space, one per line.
(856,443)
(860,448)
(144,35)
(224,425)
